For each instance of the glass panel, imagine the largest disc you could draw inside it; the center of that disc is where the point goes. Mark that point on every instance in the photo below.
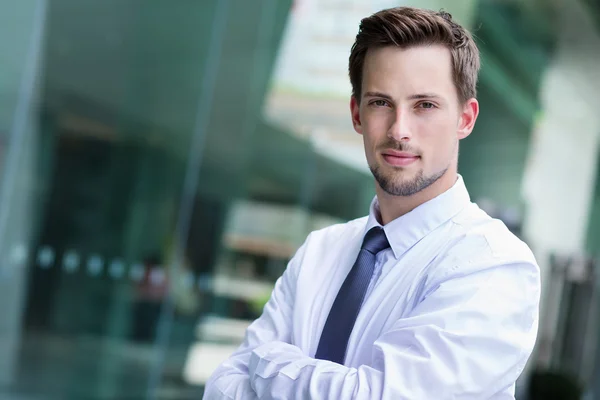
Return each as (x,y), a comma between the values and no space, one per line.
(104,146)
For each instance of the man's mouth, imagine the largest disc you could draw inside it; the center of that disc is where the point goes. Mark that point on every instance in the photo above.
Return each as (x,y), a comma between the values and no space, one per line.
(399,158)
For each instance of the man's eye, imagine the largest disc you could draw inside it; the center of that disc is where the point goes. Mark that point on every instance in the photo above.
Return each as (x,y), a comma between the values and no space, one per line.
(379,103)
(427,105)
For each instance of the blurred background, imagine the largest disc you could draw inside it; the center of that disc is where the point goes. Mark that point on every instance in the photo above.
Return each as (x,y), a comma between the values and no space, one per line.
(161,161)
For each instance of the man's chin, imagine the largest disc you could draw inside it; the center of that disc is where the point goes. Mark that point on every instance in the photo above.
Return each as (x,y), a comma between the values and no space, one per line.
(398,183)
(395,186)
(401,178)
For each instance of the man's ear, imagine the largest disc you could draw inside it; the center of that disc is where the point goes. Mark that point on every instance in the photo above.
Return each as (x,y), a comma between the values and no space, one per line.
(355,113)
(467,118)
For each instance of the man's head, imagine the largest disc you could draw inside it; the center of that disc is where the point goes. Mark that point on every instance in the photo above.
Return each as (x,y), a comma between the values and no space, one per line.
(414,77)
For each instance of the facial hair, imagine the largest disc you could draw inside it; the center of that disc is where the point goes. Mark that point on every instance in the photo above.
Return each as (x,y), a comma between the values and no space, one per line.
(392,182)
(397,187)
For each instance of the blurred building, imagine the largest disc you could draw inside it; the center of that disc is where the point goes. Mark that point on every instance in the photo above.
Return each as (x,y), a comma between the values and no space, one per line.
(161,161)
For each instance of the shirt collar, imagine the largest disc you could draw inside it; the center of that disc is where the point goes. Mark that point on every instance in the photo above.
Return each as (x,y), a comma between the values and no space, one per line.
(405,231)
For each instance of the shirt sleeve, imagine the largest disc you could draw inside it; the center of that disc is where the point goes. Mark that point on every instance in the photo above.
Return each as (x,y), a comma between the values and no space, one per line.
(231,380)
(469,338)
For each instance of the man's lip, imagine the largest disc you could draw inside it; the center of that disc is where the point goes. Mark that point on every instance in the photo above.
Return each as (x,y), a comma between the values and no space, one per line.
(400,154)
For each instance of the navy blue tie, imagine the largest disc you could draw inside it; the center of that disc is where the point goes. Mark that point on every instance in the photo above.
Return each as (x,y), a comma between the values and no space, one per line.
(345,308)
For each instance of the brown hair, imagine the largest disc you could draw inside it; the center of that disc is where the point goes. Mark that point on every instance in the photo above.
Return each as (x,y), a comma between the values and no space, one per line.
(407,27)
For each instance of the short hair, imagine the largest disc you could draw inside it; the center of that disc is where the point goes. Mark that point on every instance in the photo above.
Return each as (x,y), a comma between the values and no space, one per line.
(407,27)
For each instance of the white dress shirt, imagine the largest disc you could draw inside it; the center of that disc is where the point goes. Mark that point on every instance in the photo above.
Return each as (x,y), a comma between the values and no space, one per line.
(451,313)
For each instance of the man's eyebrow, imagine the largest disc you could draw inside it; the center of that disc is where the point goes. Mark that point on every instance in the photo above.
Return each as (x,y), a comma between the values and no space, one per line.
(421,96)
(378,94)
(417,96)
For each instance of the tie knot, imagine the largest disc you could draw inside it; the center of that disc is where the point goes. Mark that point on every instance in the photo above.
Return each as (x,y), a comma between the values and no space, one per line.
(375,240)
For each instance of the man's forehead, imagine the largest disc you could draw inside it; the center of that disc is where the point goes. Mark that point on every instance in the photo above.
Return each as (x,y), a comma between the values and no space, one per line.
(419,69)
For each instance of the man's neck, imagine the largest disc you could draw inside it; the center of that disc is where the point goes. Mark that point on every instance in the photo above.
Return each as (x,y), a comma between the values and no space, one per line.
(393,207)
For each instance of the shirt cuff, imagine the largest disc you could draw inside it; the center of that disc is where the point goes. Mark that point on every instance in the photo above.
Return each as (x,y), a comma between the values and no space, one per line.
(267,361)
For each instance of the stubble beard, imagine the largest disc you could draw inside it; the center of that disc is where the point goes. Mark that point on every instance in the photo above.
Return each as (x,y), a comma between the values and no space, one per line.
(392,182)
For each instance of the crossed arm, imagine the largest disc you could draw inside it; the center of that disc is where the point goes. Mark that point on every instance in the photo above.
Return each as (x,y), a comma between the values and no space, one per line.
(468,339)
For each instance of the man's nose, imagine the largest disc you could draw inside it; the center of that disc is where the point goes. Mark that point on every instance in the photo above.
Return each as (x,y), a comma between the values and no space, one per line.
(400,128)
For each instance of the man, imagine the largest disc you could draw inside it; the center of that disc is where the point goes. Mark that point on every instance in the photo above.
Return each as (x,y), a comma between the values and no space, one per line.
(427,297)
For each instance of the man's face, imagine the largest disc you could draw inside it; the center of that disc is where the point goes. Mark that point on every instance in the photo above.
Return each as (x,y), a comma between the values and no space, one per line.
(410,117)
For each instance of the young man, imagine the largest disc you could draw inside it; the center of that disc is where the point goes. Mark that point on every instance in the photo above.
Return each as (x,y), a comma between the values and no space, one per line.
(427,297)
